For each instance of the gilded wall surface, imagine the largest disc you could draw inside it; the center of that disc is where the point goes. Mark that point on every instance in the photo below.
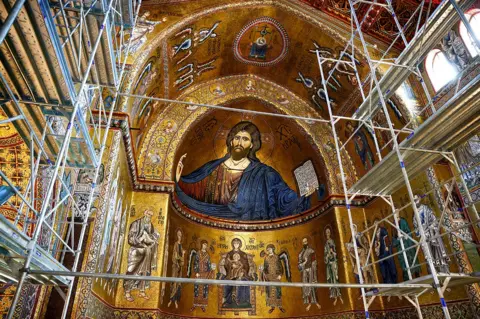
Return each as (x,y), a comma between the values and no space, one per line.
(103,250)
(195,232)
(166,235)
(260,203)
(291,254)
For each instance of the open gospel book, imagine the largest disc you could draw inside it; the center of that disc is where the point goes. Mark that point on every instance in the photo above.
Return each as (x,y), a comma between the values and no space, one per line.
(306,177)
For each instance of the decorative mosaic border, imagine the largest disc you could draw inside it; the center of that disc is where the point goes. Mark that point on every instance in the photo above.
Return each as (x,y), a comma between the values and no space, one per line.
(83,298)
(11,141)
(458,309)
(121,121)
(262,225)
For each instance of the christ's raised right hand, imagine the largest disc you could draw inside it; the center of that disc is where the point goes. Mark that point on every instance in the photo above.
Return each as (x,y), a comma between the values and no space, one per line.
(179,170)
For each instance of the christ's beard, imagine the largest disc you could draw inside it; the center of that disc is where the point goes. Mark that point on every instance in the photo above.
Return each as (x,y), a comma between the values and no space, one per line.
(239,153)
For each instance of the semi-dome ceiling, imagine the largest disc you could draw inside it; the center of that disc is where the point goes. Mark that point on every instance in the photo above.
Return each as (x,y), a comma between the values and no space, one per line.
(191,45)
(274,40)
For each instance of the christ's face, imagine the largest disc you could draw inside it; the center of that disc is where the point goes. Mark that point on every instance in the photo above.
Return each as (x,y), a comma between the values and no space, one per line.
(327,233)
(204,246)
(241,144)
(270,251)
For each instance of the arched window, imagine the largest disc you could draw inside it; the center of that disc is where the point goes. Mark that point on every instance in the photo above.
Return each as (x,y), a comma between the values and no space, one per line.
(439,69)
(473,17)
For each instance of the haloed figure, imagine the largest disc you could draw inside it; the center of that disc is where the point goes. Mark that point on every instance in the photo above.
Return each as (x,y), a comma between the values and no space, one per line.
(142,256)
(273,271)
(411,261)
(307,264)
(178,260)
(238,186)
(362,248)
(361,145)
(430,227)
(237,268)
(203,269)
(383,250)
(331,262)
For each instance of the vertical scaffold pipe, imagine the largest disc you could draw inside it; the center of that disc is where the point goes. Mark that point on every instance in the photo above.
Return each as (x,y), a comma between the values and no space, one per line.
(465,186)
(426,248)
(404,253)
(344,184)
(90,199)
(61,155)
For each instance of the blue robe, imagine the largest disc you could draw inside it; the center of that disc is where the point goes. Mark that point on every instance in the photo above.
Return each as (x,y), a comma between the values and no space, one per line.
(387,266)
(262,194)
(258,51)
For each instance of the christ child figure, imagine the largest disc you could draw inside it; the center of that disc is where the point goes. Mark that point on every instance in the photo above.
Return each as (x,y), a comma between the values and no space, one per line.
(237,266)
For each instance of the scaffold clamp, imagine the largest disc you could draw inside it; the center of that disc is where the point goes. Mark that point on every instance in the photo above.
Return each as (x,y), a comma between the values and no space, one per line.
(25,270)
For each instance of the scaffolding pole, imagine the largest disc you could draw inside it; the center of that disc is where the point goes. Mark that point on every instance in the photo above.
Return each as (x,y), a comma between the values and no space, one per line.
(344,184)
(376,88)
(52,200)
(221,282)
(426,248)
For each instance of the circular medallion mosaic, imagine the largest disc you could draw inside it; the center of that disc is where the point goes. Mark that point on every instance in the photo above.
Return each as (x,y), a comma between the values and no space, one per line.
(262,42)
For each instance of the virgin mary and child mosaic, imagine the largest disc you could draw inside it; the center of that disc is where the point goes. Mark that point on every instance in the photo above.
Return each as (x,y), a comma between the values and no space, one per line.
(237,265)
(238,186)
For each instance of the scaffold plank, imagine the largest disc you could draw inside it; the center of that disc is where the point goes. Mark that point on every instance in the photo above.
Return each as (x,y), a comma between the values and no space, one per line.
(14,252)
(446,280)
(446,129)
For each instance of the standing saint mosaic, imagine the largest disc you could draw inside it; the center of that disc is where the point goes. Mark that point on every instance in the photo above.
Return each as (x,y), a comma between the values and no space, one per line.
(307,264)
(274,267)
(430,227)
(456,214)
(361,145)
(383,251)
(178,260)
(203,268)
(405,234)
(362,248)
(331,262)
